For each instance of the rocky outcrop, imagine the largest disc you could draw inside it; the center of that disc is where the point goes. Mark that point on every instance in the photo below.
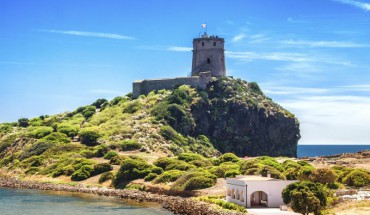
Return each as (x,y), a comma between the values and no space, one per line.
(175,204)
(239,118)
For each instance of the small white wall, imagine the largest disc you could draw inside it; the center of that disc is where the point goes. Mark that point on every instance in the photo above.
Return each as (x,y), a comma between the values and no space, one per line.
(236,192)
(273,189)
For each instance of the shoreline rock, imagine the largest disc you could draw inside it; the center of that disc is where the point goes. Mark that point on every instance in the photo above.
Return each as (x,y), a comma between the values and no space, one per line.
(176,204)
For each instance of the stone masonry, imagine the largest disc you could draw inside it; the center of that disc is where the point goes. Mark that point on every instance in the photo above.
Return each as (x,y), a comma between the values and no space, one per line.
(208,62)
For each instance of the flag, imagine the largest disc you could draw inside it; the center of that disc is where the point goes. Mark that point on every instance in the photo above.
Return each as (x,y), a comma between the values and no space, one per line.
(203,25)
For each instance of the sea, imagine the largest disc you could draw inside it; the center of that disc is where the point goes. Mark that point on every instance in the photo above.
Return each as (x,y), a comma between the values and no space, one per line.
(322,150)
(36,202)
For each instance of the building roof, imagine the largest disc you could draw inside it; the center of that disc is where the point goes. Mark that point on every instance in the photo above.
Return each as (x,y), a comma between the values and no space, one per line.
(254,178)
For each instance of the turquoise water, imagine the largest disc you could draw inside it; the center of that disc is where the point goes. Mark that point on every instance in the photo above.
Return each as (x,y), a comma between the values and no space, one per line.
(321,150)
(35,202)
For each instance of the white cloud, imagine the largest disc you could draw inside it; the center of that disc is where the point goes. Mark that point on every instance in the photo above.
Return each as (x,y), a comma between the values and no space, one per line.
(285,56)
(331,119)
(273,56)
(238,37)
(361,5)
(325,44)
(283,90)
(179,49)
(90,34)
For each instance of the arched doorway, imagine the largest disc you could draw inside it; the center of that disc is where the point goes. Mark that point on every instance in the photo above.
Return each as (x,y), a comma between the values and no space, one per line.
(259,199)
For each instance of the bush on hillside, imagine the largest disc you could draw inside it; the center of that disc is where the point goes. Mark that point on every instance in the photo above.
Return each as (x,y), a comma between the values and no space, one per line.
(70,131)
(82,174)
(187,157)
(150,177)
(323,176)
(23,122)
(36,149)
(89,137)
(163,162)
(171,135)
(130,145)
(130,170)
(168,176)
(186,181)
(133,107)
(100,150)
(40,131)
(101,168)
(357,178)
(56,137)
(227,157)
(116,100)
(99,103)
(105,177)
(200,182)
(110,155)
(180,165)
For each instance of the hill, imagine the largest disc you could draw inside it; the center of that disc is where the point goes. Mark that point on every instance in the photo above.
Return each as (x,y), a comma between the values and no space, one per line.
(231,115)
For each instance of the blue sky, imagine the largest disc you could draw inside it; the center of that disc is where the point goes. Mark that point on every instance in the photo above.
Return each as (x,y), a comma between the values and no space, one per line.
(311,56)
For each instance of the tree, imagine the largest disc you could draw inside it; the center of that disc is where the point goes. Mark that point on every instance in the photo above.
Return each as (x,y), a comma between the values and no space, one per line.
(23,122)
(323,176)
(303,187)
(304,201)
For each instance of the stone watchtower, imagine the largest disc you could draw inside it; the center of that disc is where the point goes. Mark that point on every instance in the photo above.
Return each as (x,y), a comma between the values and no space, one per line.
(208,55)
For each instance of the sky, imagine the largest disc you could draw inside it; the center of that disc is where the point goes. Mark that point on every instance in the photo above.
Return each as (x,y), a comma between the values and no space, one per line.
(310,56)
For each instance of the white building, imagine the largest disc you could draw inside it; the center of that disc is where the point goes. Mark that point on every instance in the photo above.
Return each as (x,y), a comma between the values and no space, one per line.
(256,191)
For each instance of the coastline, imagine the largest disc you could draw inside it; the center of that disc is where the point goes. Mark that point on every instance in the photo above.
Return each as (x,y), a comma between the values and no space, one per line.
(177,205)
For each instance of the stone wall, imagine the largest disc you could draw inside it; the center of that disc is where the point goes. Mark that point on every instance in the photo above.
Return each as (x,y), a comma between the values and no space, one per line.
(146,86)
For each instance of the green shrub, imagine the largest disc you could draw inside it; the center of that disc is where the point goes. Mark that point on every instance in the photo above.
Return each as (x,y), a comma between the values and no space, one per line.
(150,177)
(36,149)
(132,107)
(323,176)
(157,170)
(227,157)
(5,129)
(201,163)
(130,170)
(40,131)
(6,142)
(183,181)
(117,160)
(56,137)
(274,172)
(168,176)
(197,183)
(32,171)
(305,172)
(316,188)
(247,165)
(110,154)
(163,162)
(180,165)
(116,100)
(98,103)
(100,150)
(221,170)
(23,122)
(231,173)
(187,157)
(222,203)
(89,137)
(101,168)
(130,145)
(269,161)
(357,178)
(82,174)
(105,177)
(171,135)
(70,131)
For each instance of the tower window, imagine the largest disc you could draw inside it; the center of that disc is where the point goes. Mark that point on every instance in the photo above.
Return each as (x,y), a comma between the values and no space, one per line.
(208,60)
(202,43)
(214,43)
